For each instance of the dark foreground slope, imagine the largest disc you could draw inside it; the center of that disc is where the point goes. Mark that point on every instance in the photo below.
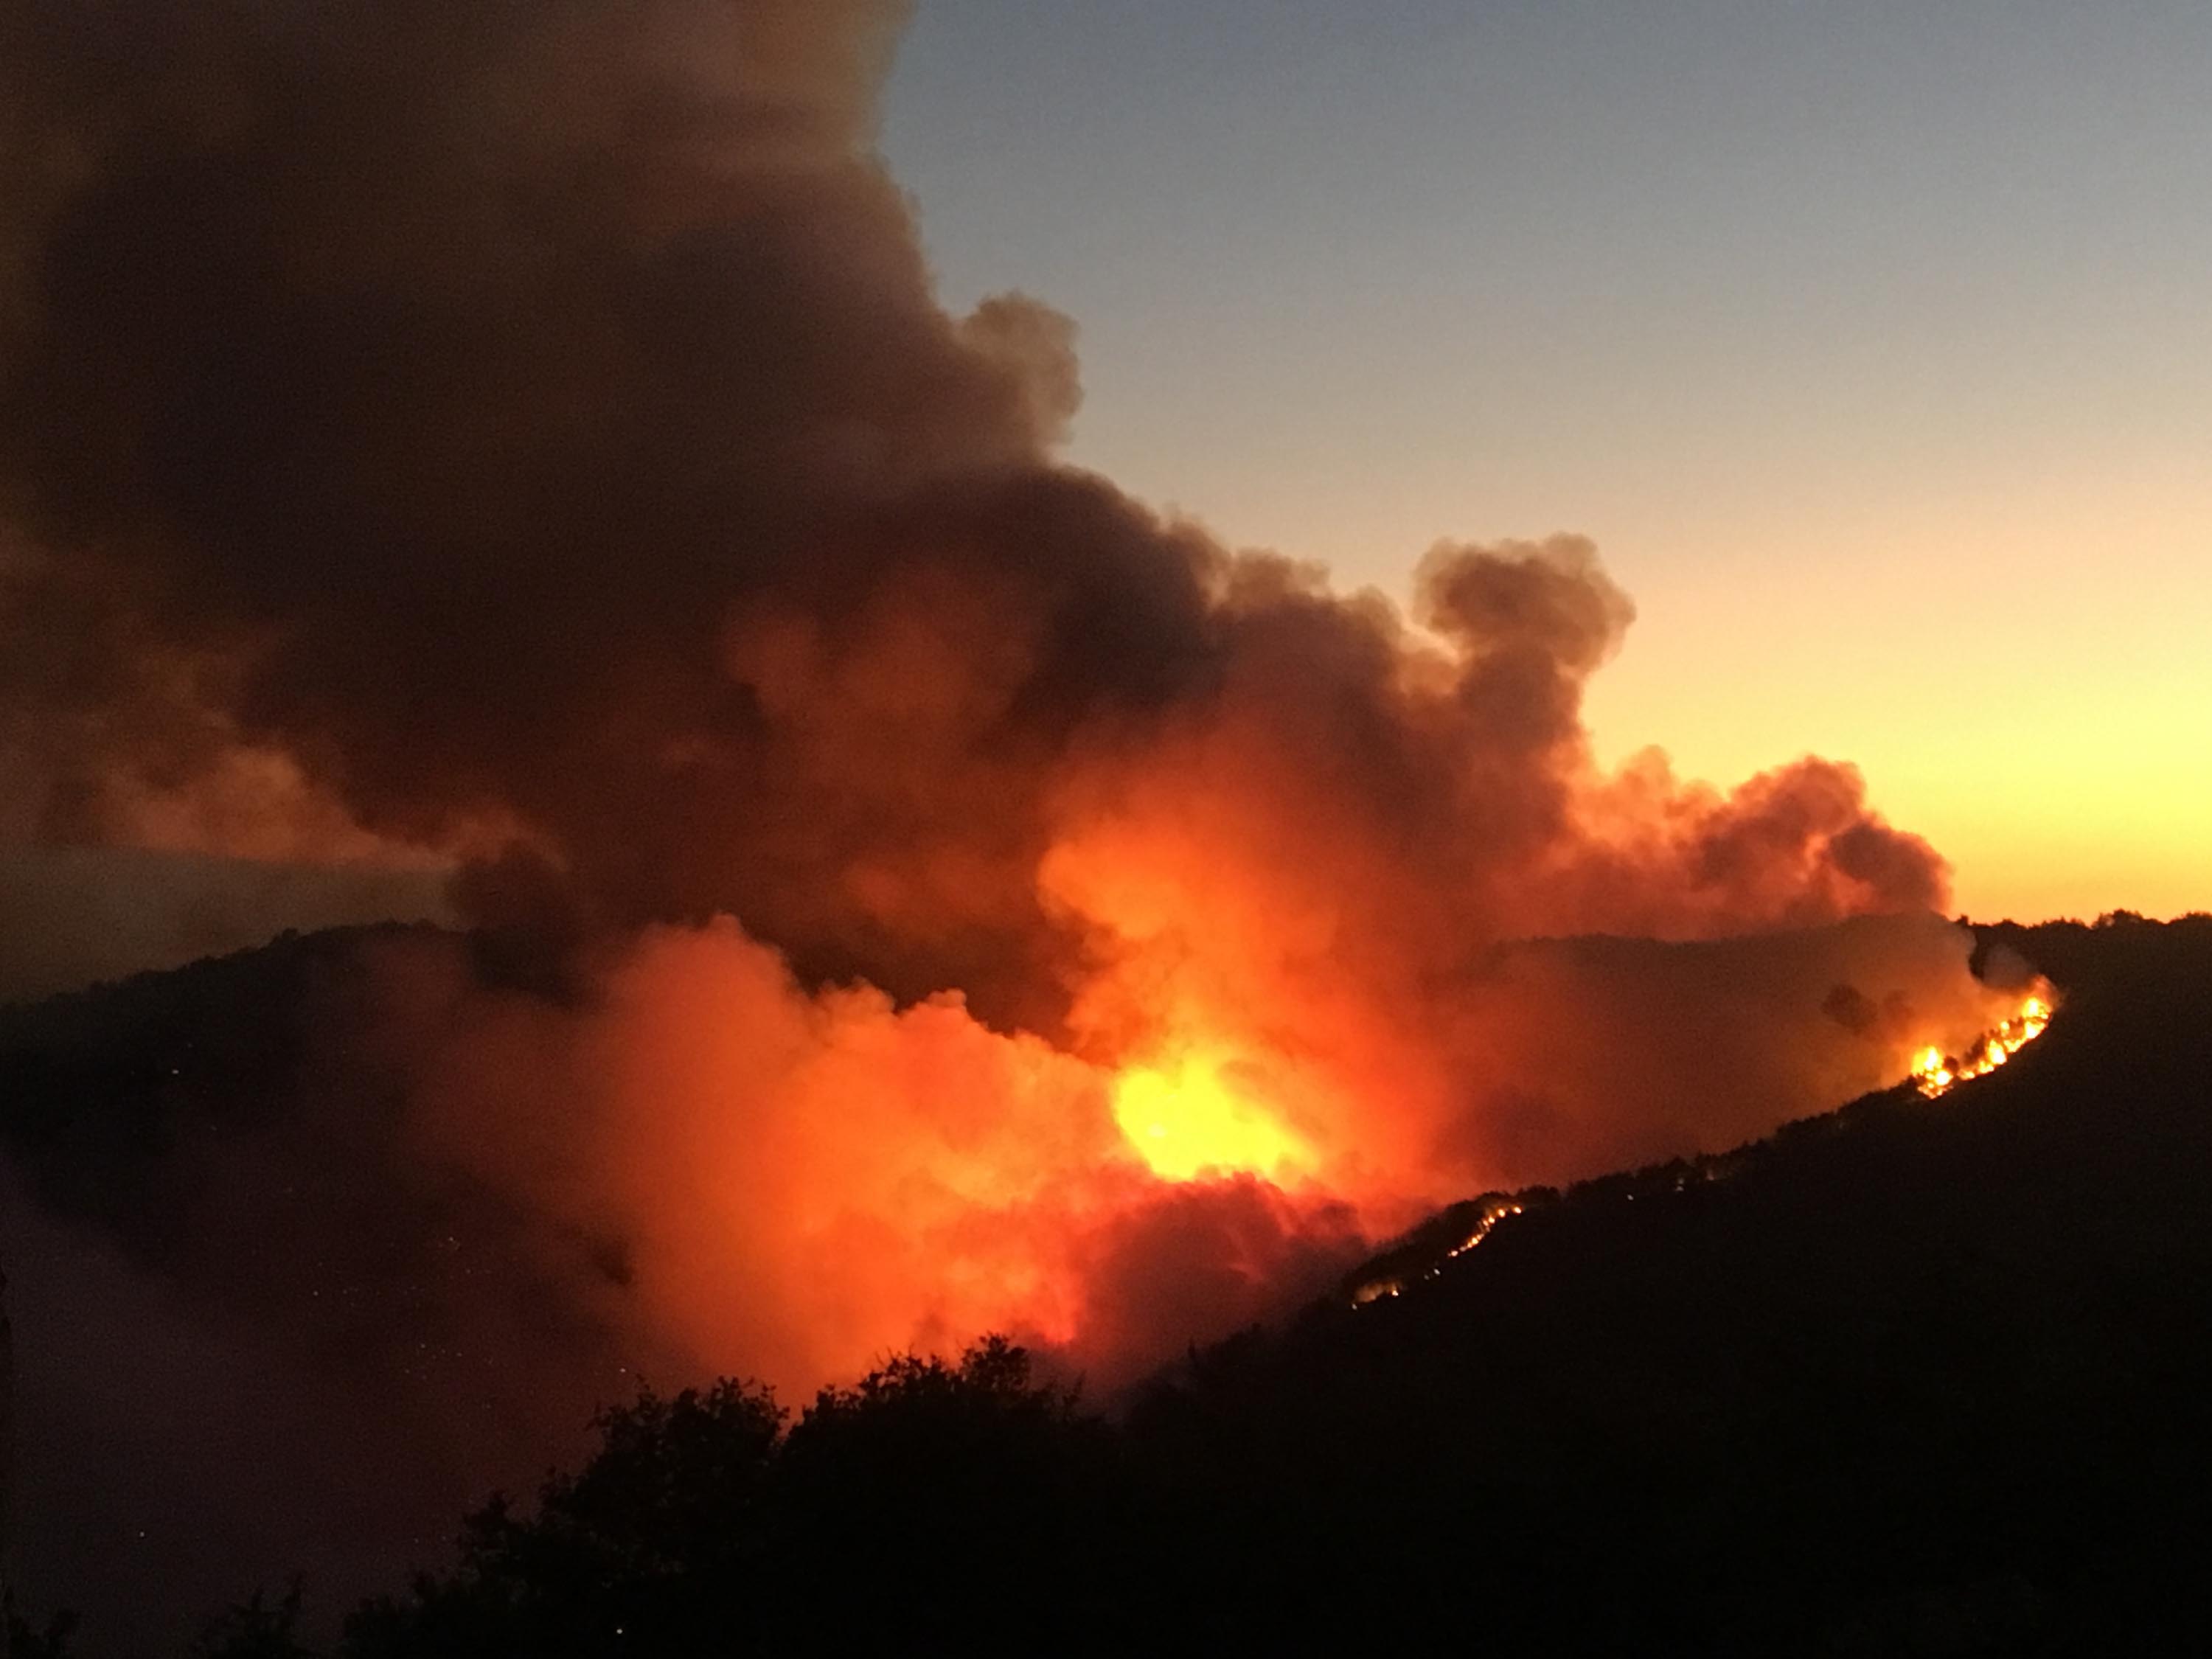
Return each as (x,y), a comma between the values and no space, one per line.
(1914,1377)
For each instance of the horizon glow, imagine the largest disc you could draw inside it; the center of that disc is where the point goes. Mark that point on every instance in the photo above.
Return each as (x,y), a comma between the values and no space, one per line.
(1868,345)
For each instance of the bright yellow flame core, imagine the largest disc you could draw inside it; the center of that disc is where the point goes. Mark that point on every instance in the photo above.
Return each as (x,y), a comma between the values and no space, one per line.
(1191,1118)
(1935,1072)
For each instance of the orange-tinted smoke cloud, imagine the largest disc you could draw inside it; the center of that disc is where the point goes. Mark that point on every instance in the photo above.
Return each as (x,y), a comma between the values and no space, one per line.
(524,434)
(794,1183)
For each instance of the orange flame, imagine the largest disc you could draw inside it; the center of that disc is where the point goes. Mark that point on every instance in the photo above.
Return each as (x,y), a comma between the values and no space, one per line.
(1497,1210)
(1198,1114)
(1935,1074)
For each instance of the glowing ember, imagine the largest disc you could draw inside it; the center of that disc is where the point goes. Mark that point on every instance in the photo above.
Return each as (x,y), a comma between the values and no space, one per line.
(1492,1215)
(1493,1212)
(1196,1117)
(1935,1072)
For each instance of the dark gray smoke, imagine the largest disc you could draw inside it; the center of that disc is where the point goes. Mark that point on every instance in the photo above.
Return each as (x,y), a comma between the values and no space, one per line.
(524,431)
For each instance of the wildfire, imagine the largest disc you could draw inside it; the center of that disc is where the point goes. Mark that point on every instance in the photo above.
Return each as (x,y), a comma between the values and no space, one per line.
(1935,1072)
(1493,1212)
(1490,1217)
(1199,1114)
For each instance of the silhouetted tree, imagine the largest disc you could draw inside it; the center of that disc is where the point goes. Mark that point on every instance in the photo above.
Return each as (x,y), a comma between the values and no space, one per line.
(647,1551)
(25,1640)
(254,1629)
(929,1507)
(984,1510)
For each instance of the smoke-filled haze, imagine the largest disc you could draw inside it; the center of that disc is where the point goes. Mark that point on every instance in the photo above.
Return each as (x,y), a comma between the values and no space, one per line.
(521,440)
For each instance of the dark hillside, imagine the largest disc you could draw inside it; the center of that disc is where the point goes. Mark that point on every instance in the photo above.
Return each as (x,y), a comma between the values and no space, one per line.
(256,1332)
(238,1127)
(120,1100)
(1917,1376)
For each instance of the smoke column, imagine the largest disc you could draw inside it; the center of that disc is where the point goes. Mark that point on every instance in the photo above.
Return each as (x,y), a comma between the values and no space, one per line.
(521,439)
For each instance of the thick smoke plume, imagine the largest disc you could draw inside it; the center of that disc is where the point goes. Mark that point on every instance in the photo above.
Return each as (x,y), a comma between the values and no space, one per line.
(522,436)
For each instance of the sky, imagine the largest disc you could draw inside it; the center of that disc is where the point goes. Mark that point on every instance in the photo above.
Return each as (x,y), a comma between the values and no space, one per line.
(1870,341)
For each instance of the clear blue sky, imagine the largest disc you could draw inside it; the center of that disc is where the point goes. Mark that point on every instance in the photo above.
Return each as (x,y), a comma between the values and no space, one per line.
(1872,341)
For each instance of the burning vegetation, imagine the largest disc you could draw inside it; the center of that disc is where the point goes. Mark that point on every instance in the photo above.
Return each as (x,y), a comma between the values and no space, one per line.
(1935,1074)
(1488,1213)
(1425,1253)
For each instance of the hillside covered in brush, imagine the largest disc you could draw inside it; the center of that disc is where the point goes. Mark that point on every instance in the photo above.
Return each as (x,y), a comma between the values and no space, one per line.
(1915,1377)
(1918,1376)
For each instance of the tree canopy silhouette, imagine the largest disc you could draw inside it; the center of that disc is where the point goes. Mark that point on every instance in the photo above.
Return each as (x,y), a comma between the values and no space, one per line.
(923,1509)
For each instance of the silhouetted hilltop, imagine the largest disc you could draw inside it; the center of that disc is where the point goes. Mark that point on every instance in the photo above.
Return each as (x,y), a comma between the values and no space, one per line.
(104,1087)
(257,1330)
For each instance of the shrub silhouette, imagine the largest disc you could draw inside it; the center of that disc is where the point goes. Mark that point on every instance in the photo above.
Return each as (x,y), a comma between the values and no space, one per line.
(254,1629)
(930,1507)
(647,1550)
